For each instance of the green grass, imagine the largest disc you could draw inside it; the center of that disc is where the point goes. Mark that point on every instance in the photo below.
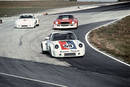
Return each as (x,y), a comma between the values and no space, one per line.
(114,39)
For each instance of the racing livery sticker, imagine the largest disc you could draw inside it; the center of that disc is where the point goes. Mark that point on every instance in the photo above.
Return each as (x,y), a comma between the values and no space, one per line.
(66,45)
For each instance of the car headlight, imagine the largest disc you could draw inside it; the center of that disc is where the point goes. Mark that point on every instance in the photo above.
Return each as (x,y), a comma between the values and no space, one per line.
(73,22)
(56,46)
(80,45)
(56,22)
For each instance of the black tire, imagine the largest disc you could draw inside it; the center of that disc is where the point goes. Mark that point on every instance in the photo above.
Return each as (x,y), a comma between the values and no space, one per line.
(76,28)
(54,28)
(0,21)
(43,52)
(50,52)
(37,24)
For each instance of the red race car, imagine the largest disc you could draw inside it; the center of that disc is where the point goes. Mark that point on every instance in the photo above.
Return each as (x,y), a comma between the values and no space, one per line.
(65,22)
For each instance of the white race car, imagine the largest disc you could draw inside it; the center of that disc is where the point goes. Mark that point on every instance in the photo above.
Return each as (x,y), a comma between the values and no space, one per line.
(27,21)
(63,44)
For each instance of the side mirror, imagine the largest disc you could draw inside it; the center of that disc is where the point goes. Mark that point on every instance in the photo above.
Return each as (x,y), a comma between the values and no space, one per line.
(46,38)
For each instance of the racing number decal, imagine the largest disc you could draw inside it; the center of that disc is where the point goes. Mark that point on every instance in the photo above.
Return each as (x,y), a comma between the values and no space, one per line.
(66,45)
(62,43)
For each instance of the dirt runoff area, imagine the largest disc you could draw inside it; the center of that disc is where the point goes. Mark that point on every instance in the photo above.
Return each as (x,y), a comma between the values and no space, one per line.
(10,8)
(114,39)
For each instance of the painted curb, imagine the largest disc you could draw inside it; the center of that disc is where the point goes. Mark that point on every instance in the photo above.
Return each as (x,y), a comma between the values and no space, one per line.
(102,52)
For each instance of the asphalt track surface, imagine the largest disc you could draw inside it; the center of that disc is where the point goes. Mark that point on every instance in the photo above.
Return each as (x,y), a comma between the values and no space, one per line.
(21,57)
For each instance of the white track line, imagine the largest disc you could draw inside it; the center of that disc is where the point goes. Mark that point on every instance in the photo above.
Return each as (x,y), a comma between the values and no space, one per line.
(110,56)
(34,80)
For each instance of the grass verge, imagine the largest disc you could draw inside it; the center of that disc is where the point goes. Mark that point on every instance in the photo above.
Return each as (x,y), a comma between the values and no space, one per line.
(9,8)
(114,39)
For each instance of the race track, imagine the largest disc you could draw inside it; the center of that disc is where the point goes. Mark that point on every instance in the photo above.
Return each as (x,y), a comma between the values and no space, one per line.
(23,65)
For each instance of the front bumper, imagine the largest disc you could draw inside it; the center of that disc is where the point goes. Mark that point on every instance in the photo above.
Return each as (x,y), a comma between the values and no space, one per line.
(70,53)
(64,26)
(25,26)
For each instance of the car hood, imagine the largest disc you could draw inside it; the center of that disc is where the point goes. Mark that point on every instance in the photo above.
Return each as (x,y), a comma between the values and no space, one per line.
(67,44)
(25,21)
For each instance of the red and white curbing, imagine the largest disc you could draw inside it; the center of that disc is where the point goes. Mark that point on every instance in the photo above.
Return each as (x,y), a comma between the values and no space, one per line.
(110,56)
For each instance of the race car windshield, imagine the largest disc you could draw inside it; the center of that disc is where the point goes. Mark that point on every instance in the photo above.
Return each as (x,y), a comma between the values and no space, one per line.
(26,16)
(67,36)
(65,17)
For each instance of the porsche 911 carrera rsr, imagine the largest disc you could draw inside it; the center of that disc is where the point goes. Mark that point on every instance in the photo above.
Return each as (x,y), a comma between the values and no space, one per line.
(63,44)
(65,22)
(27,21)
